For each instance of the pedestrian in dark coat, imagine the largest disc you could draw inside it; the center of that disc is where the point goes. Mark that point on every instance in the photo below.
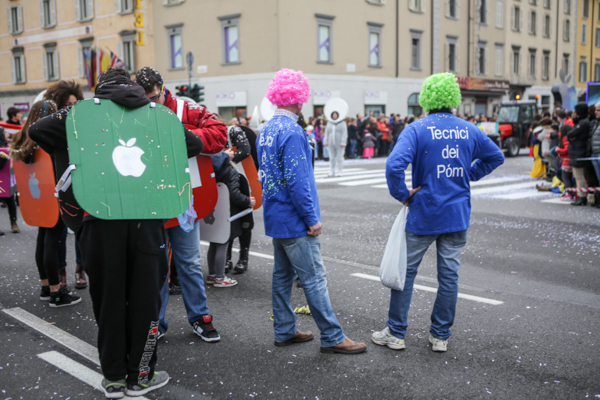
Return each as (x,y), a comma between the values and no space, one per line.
(578,148)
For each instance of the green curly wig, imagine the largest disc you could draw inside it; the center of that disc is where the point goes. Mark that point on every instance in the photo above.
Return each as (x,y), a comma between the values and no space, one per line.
(440,91)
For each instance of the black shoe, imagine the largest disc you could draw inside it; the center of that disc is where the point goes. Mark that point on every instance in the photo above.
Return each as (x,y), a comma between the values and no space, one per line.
(242,264)
(174,290)
(205,329)
(45,293)
(63,298)
(582,201)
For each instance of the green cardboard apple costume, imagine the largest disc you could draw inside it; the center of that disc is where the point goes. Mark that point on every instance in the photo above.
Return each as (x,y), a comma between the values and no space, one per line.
(129,163)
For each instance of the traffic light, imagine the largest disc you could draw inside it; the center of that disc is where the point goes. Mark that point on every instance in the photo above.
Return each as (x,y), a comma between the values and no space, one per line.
(197,93)
(182,90)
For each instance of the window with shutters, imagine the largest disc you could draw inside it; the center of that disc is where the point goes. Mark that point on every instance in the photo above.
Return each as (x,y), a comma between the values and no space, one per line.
(532,63)
(582,70)
(516,61)
(546,65)
(47,13)
(481,59)
(532,22)
(85,51)
(482,12)
(517,20)
(499,14)
(499,60)
(84,10)
(567,31)
(374,44)
(583,33)
(597,37)
(597,71)
(452,9)
(175,46)
(124,6)
(172,2)
(414,108)
(565,63)
(15,19)
(324,38)
(17,67)
(50,62)
(126,50)
(548,4)
(452,54)
(547,25)
(416,5)
(415,50)
(534,2)
(567,6)
(585,12)
(598,8)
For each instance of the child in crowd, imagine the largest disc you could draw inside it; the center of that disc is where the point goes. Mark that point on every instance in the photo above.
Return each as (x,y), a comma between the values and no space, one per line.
(239,201)
(563,153)
(368,142)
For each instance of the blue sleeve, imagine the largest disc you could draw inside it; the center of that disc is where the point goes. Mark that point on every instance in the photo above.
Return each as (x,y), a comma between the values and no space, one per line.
(487,156)
(297,169)
(402,155)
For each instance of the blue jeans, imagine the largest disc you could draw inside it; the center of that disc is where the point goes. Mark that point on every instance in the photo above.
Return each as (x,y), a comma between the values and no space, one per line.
(302,257)
(449,246)
(186,254)
(596,164)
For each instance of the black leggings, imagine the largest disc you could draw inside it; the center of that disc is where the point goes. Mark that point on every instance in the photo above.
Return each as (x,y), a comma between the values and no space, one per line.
(12,208)
(46,252)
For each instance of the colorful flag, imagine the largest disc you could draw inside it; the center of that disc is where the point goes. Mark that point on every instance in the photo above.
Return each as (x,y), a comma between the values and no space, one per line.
(90,68)
(115,61)
(103,62)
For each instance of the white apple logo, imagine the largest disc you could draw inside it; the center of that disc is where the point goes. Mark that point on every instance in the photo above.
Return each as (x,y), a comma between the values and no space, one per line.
(127,159)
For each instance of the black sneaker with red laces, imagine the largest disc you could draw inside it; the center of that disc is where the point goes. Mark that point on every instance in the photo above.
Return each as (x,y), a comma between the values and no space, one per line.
(205,329)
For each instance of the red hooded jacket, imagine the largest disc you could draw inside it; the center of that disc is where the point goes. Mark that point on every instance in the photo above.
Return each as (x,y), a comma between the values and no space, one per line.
(212,132)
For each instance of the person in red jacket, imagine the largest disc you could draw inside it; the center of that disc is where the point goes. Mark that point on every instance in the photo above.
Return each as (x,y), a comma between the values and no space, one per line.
(563,152)
(185,242)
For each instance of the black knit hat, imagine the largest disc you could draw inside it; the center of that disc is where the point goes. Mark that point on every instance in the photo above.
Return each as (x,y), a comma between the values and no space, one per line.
(582,110)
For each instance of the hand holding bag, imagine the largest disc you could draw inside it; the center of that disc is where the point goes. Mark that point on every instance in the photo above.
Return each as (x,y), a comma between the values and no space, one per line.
(392,271)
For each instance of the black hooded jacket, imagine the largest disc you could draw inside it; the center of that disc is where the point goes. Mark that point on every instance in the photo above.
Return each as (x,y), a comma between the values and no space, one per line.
(579,137)
(50,133)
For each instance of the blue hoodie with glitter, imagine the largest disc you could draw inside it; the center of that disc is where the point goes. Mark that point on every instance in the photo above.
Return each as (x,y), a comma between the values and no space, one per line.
(290,200)
(446,153)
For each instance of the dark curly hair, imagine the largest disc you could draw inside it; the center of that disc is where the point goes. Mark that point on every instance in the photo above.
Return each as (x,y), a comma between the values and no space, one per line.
(112,72)
(147,78)
(60,92)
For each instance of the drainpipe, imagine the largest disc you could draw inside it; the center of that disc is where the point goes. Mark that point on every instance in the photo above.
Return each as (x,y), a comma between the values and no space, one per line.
(590,64)
(469,40)
(397,38)
(432,21)
(556,41)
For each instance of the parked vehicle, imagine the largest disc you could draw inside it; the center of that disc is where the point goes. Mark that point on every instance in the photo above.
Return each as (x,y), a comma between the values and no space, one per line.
(514,120)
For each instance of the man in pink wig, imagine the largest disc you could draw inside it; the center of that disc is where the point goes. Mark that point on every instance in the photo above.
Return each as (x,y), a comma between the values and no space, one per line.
(292,218)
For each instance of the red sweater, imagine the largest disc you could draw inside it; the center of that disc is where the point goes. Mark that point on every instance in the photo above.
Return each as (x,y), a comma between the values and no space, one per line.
(564,151)
(212,132)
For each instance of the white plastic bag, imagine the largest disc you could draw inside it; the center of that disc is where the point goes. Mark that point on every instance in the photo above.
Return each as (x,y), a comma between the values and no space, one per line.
(392,271)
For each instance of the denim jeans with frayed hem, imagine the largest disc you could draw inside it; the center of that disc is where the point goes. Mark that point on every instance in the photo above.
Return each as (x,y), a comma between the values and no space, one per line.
(449,246)
(186,254)
(302,257)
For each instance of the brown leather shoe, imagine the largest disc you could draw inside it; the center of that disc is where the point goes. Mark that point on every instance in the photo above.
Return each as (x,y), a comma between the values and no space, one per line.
(346,347)
(80,279)
(299,337)
(14,227)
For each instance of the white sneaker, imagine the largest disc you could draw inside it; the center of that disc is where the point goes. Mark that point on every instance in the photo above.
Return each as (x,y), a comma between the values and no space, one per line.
(385,338)
(225,282)
(438,344)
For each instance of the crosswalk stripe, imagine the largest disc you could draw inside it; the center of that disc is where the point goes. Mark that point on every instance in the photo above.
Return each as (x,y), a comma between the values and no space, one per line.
(350,178)
(363,182)
(521,195)
(504,188)
(493,181)
(352,173)
(326,171)
(556,201)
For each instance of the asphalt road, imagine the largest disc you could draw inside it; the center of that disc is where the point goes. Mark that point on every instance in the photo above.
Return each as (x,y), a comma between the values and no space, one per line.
(538,258)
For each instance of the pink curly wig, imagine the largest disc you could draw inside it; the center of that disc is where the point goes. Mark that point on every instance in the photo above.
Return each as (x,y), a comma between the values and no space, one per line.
(287,88)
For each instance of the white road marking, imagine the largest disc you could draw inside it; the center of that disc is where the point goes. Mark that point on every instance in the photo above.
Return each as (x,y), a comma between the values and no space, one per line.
(66,339)
(504,188)
(363,182)
(350,178)
(252,253)
(434,290)
(556,201)
(77,370)
(347,171)
(493,181)
(522,195)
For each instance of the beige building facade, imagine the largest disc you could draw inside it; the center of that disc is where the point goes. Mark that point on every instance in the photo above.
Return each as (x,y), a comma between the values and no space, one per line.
(42,41)
(374,54)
